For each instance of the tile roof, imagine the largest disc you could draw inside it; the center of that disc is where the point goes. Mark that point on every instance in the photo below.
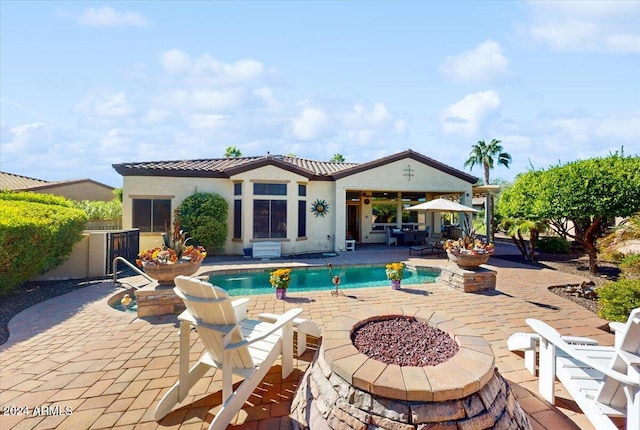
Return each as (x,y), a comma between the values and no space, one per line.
(225,167)
(318,170)
(10,181)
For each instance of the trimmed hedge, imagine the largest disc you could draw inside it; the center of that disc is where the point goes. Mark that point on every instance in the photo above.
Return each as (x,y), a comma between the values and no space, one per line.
(617,299)
(37,233)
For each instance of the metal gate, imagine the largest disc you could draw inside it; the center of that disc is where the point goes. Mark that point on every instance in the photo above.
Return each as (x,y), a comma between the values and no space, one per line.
(125,244)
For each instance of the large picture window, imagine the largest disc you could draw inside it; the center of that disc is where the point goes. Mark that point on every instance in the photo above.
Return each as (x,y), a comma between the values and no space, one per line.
(269,219)
(152,215)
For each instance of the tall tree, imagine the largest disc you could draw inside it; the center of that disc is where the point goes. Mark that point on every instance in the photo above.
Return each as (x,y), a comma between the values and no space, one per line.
(337,158)
(483,154)
(588,193)
(487,155)
(232,151)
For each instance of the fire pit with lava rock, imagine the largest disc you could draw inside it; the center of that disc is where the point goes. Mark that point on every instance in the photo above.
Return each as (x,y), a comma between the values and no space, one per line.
(411,369)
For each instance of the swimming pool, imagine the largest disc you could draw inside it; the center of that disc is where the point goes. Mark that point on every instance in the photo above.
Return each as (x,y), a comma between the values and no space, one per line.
(256,281)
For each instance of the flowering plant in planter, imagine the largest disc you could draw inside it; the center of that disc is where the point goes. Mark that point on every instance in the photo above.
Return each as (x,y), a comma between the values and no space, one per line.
(468,246)
(395,271)
(280,278)
(165,255)
(174,250)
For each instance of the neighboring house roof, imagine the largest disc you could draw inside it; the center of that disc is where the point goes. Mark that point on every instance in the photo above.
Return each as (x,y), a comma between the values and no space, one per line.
(9,181)
(313,169)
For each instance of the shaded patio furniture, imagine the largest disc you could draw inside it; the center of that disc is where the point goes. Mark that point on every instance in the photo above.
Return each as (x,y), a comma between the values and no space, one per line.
(603,380)
(432,244)
(409,237)
(421,237)
(236,345)
(350,245)
(391,240)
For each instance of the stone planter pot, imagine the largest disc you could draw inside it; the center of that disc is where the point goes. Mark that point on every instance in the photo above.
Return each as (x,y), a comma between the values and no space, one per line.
(281,293)
(468,261)
(395,284)
(165,273)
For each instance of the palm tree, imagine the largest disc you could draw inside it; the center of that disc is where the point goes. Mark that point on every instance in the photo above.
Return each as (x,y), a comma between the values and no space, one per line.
(484,154)
(232,151)
(337,158)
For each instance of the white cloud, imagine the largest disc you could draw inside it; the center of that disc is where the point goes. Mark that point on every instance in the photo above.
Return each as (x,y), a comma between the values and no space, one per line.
(202,99)
(207,69)
(599,26)
(268,98)
(485,63)
(108,17)
(624,128)
(310,124)
(205,122)
(99,107)
(467,115)
(156,116)
(175,61)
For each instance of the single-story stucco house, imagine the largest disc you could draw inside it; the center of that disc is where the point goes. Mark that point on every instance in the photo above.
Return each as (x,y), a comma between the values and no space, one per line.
(306,205)
(76,189)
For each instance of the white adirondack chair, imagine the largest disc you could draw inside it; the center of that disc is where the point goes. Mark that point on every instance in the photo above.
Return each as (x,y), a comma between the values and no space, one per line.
(603,380)
(233,343)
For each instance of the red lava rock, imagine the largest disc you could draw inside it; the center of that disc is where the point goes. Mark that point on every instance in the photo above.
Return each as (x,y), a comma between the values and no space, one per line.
(404,341)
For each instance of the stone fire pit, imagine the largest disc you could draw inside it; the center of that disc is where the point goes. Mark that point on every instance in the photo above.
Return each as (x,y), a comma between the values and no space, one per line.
(345,389)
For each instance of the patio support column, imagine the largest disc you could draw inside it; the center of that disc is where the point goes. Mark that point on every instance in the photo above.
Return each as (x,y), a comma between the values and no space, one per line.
(340,219)
(488,216)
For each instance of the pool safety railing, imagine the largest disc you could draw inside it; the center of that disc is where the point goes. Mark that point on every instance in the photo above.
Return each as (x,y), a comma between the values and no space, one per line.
(135,269)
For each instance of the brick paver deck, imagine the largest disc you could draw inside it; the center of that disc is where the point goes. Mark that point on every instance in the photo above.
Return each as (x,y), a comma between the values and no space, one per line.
(95,367)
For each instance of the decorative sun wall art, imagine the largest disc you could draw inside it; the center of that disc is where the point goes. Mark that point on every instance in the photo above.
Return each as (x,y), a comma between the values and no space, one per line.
(320,208)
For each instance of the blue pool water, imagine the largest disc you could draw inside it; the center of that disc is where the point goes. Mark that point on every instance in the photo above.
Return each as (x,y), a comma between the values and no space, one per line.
(317,279)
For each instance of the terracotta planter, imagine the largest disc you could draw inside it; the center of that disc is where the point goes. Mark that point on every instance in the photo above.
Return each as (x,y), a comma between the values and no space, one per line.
(165,273)
(468,261)
(395,284)
(281,293)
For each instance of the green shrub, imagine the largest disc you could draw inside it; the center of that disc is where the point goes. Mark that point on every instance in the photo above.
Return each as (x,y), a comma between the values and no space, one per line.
(97,210)
(37,233)
(204,217)
(553,245)
(617,299)
(630,266)
(48,199)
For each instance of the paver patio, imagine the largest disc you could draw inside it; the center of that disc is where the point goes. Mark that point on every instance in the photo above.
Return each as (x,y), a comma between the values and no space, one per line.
(108,369)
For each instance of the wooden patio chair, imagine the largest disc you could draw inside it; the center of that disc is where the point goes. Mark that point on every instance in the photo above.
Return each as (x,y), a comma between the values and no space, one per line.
(603,380)
(233,344)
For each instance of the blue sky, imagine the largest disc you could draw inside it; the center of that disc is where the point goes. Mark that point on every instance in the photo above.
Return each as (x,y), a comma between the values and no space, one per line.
(84,85)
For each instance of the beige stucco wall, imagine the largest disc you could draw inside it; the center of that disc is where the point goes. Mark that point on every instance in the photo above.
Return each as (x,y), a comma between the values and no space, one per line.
(79,191)
(87,260)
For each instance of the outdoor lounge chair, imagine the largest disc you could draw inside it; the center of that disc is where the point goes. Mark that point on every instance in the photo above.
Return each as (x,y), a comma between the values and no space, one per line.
(432,243)
(603,380)
(232,343)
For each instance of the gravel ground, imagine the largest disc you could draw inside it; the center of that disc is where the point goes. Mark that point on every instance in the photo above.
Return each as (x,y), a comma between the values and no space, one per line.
(32,293)
(405,342)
